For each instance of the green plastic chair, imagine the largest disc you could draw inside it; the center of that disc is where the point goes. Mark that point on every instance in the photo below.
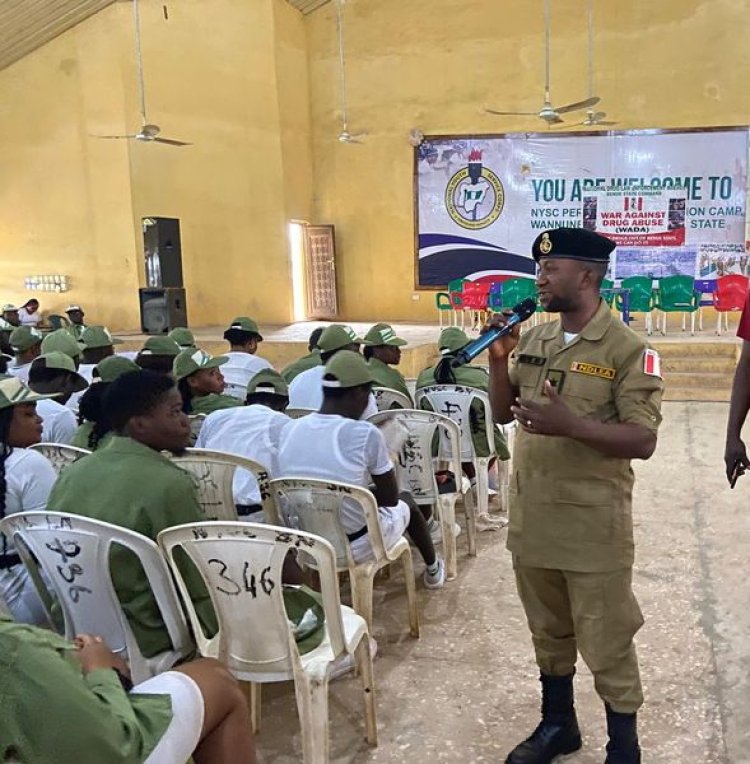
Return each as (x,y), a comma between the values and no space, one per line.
(455,293)
(641,297)
(442,303)
(517,290)
(607,296)
(677,294)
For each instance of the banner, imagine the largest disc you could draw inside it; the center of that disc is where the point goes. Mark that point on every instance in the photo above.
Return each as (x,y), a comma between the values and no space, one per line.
(674,202)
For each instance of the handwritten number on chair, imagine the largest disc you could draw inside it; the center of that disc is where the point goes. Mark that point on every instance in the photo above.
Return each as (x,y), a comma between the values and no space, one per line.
(249,580)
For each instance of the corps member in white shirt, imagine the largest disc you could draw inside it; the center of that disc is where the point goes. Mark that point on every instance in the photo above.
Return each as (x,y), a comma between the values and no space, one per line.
(243,364)
(306,389)
(336,445)
(26,479)
(54,374)
(29,314)
(26,342)
(252,431)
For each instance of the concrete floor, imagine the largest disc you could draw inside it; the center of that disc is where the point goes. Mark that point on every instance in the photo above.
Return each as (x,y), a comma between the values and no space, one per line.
(467,690)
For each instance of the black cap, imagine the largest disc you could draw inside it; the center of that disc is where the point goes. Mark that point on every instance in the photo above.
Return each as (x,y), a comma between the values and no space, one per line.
(573,244)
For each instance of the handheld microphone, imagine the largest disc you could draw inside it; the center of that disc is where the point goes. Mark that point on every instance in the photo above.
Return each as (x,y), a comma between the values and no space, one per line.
(521,312)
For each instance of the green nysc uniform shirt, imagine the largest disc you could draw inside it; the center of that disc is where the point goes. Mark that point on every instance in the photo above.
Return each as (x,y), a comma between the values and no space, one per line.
(51,714)
(207,404)
(479,379)
(570,505)
(309,361)
(129,484)
(386,376)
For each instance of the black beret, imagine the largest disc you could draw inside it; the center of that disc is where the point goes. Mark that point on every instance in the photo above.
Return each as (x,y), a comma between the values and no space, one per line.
(573,244)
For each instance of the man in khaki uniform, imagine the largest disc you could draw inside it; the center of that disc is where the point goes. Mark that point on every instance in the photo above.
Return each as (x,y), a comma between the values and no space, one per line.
(586,392)
(383,353)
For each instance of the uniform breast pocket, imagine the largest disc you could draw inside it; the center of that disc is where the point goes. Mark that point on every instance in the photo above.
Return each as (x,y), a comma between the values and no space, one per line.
(528,376)
(587,394)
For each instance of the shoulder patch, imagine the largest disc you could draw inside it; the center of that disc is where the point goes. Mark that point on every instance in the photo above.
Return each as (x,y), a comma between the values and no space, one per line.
(593,370)
(651,363)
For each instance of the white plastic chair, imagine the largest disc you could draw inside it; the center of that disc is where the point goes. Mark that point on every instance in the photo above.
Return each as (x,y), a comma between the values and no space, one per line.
(235,390)
(74,552)
(314,506)
(297,413)
(241,565)
(387,399)
(60,454)
(214,474)
(196,422)
(455,402)
(415,470)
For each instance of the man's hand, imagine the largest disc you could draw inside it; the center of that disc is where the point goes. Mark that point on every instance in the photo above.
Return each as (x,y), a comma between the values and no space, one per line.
(94,654)
(735,455)
(503,346)
(553,418)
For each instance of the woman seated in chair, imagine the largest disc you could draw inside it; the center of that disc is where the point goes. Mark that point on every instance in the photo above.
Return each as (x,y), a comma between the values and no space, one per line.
(68,702)
(26,479)
(200,382)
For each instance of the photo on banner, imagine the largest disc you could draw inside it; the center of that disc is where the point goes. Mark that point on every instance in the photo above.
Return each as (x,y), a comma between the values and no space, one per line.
(673,201)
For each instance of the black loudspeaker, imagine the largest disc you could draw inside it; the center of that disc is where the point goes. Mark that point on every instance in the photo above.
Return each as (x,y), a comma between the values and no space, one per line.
(163,253)
(162,310)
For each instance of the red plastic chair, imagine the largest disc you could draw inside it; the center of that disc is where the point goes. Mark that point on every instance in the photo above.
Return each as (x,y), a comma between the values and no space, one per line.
(476,297)
(729,297)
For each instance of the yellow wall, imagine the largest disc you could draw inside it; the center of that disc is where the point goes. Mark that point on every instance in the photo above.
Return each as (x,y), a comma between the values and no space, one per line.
(433,64)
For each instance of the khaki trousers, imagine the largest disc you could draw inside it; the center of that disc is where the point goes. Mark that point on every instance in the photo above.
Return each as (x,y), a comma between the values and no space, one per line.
(595,614)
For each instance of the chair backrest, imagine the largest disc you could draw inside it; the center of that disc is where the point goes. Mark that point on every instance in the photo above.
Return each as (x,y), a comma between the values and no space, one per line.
(415,468)
(517,290)
(214,474)
(705,286)
(387,399)
(677,293)
(314,506)
(60,455)
(297,413)
(235,390)
(196,422)
(454,401)
(241,565)
(442,300)
(605,290)
(58,321)
(74,554)
(640,293)
(731,292)
(456,290)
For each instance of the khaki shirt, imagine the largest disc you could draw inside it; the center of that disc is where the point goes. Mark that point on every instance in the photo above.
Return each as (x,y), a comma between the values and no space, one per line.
(129,484)
(386,376)
(570,505)
(51,713)
(309,361)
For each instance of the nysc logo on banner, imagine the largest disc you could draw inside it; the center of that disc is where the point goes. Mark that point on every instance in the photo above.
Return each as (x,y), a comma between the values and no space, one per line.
(474,196)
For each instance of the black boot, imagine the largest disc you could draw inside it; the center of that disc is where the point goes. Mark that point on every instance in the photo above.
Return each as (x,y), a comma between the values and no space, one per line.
(558,731)
(622,747)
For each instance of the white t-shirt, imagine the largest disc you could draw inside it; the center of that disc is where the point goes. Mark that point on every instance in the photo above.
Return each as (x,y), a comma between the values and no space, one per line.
(306,392)
(59,423)
(20,372)
(239,370)
(331,447)
(129,354)
(29,319)
(250,431)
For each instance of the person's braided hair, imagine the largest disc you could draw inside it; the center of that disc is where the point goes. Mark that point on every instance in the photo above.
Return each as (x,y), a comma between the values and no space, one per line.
(91,409)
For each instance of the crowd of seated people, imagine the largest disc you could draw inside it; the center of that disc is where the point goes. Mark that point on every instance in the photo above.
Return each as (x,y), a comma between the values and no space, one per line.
(133,416)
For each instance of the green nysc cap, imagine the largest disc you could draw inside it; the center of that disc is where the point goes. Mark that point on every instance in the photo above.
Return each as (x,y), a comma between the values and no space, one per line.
(61,340)
(22,338)
(14,392)
(190,361)
(383,334)
(347,369)
(183,337)
(98,337)
(337,336)
(109,369)
(245,324)
(572,244)
(452,339)
(62,361)
(161,346)
(268,381)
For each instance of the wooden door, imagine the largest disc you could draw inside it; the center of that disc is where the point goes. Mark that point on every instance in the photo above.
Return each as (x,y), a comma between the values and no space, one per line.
(320,272)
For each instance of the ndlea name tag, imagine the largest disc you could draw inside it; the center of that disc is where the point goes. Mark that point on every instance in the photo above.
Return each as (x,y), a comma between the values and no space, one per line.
(592,369)
(651,363)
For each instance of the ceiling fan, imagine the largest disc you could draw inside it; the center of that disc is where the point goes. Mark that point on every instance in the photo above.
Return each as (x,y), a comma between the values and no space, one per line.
(548,113)
(344,136)
(593,118)
(148,132)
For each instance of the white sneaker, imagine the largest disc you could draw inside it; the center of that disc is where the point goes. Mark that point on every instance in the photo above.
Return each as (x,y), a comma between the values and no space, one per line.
(345,663)
(436,581)
(436,533)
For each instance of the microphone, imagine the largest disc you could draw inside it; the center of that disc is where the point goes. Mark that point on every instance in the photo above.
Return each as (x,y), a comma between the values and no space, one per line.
(469,352)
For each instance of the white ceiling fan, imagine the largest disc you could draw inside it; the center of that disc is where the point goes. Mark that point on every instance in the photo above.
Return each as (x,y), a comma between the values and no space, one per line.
(148,132)
(593,118)
(548,113)
(344,136)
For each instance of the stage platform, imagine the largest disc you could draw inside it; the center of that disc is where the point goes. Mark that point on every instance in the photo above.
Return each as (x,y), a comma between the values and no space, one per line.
(698,367)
